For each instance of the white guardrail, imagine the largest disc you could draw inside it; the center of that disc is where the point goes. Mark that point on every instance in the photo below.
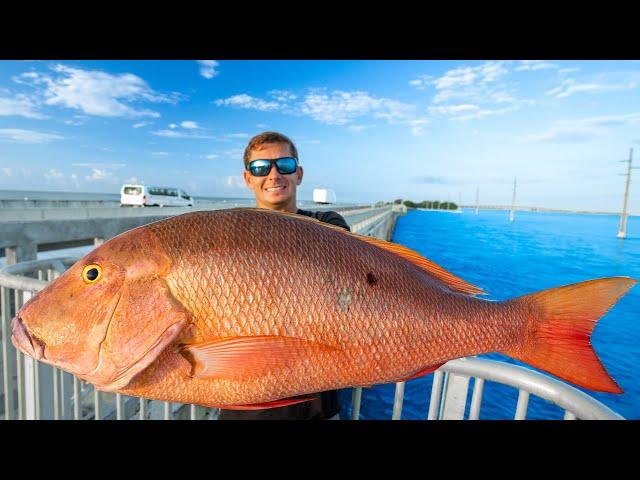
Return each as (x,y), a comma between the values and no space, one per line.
(33,390)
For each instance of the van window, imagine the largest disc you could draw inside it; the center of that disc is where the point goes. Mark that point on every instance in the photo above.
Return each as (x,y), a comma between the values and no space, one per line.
(172,192)
(132,190)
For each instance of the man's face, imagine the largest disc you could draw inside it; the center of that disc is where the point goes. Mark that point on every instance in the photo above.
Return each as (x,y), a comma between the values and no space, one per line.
(275,191)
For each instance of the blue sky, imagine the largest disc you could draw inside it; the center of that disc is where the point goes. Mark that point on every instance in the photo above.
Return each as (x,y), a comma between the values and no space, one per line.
(369,130)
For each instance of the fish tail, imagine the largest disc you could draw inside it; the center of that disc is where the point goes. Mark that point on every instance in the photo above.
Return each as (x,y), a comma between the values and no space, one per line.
(559,326)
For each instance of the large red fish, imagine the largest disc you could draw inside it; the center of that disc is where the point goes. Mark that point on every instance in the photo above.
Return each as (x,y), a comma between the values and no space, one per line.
(244,308)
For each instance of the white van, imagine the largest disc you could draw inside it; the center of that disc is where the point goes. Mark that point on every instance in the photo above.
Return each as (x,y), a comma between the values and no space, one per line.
(143,195)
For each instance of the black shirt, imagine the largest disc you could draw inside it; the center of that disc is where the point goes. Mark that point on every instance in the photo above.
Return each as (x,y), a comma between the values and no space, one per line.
(327,404)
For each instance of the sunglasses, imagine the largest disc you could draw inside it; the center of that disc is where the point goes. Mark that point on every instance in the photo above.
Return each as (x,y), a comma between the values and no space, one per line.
(284,165)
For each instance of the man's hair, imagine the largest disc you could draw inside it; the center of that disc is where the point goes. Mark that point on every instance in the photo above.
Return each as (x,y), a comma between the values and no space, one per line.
(268,137)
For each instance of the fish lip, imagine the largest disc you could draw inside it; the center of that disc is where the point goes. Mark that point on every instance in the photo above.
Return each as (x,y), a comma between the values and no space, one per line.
(24,341)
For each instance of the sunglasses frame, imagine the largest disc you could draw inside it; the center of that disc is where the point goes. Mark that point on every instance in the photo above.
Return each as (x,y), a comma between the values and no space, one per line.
(272,162)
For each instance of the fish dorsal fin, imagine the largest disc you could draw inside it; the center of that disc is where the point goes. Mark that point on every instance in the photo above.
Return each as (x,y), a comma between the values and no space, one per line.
(453,282)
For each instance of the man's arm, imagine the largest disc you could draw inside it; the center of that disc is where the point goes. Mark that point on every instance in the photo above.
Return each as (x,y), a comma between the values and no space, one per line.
(334,218)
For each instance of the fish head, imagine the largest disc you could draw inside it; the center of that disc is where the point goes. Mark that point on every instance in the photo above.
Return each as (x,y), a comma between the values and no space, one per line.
(107,317)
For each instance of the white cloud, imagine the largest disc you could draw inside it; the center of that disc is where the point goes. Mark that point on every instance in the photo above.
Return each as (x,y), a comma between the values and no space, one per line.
(534,65)
(27,136)
(570,87)
(140,124)
(332,108)
(357,128)
(453,109)
(236,181)
(283,95)
(173,125)
(246,101)
(472,83)
(100,165)
(160,154)
(189,124)
(75,123)
(95,92)
(212,156)
(53,174)
(262,125)
(208,68)
(21,105)
(7,171)
(180,134)
(583,130)
(422,82)
(236,135)
(417,126)
(340,108)
(467,93)
(98,174)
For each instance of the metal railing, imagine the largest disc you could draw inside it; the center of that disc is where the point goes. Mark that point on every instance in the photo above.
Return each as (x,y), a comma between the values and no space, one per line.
(449,392)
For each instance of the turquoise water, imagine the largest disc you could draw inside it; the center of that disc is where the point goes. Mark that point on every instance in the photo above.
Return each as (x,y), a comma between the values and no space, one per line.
(535,252)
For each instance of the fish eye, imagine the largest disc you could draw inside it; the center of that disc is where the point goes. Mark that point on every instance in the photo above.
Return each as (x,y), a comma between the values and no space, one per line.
(91,273)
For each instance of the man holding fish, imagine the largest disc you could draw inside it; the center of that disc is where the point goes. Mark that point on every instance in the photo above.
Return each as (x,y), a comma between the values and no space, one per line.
(272,172)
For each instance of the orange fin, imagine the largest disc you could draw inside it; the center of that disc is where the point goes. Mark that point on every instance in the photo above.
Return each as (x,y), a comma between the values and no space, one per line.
(452,281)
(261,406)
(243,357)
(423,372)
(560,324)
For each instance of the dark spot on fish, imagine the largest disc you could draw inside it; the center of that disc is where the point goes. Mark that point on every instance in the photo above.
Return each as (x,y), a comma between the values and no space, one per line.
(371,279)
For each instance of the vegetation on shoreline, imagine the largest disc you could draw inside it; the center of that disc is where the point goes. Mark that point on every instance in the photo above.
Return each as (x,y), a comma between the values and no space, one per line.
(432,204)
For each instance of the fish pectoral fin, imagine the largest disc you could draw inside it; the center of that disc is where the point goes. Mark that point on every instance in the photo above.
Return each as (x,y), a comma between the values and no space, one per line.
(285,402)
(239,358)
(422,373)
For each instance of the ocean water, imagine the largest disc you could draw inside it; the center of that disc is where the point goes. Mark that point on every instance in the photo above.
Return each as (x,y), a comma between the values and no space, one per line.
(535,252)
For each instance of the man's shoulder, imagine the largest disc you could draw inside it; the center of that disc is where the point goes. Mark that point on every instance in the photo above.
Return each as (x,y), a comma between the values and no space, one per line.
(334,218)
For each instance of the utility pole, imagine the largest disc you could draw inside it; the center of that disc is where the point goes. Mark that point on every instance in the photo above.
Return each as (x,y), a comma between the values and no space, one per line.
(477,197)
(513,201)
(622,233)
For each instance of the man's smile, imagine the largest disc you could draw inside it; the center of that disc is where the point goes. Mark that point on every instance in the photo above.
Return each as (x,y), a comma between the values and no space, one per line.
(276,188)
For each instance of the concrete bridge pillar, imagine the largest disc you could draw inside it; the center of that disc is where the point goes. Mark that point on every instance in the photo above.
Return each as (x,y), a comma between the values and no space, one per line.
(21,253)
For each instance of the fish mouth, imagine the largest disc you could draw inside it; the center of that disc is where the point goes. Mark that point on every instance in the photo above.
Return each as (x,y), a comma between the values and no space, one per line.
(24,341)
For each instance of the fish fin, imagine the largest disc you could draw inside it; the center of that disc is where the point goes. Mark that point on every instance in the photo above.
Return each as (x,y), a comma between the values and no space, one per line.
(423,372)
(560,323)
(243,357)
(285,402)
(454,283)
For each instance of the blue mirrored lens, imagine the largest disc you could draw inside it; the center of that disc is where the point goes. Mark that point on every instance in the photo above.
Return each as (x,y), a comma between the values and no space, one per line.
(287,165)
(260,168)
